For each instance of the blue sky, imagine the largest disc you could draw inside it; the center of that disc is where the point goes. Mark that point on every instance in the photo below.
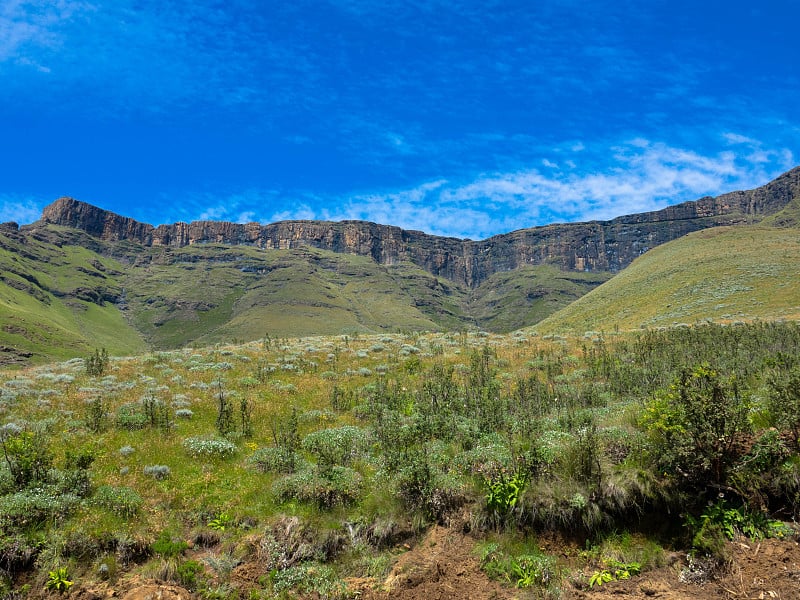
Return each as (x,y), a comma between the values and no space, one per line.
(457,118)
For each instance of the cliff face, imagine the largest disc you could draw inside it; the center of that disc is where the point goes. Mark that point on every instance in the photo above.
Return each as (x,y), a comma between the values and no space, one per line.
(594,246)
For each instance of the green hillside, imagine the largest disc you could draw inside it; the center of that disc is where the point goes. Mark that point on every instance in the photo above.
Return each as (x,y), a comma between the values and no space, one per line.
(64,293)
(514,299)
(59,301)
(722,274)
(208,294)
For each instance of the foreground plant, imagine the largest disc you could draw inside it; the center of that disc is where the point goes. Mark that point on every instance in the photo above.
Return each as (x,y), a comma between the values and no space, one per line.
(58,580)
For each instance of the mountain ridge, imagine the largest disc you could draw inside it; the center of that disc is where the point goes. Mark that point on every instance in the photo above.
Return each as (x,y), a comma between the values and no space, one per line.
(585,246)
(83,277)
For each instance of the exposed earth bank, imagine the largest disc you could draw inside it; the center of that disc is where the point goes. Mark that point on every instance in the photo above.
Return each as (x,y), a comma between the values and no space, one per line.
(443,565)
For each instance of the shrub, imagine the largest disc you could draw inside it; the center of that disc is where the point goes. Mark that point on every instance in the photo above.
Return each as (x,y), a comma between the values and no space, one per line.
(189,573)
(122,501)
(309,580)
(337,486)
(97,363)
(157,472)
(202,447)
(784,403)
(27,455)
(695,425)
(184,413)
(36,506)
(424,487)
(274,460)
(131,417)
(96,415)
(127,450)
(336,445)
(484,458)
(166,547)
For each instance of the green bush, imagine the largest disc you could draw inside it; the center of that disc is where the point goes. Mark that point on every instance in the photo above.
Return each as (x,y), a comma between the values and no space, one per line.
(335,486)
(720,522)
(27,456)
(783,402)
(131,417)
(97,363)
(336,445)
(423,486)
(275,460)
(309,579)
(167,547)
(122,501)
(189,574)
(36,506)
(695,425)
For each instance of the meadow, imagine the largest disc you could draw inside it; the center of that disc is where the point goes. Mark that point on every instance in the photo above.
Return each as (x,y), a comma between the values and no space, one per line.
(312,461)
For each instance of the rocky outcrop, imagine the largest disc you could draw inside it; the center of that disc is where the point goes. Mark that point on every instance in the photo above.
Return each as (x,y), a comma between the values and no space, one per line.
(593,246)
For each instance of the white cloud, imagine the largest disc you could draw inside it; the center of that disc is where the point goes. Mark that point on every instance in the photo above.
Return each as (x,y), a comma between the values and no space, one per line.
(298,212)
(30,26)
(248,216)
(643,176)
(636,176)
(736,138)
(19,210)
(214,213)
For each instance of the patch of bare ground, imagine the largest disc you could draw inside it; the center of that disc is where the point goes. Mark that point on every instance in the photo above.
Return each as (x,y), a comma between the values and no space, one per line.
(134,589)
(441,566)
(758,570)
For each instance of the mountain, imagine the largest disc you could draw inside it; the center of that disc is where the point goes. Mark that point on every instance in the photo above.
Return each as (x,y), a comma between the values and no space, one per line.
(82,277)
(725,274)
(592,246)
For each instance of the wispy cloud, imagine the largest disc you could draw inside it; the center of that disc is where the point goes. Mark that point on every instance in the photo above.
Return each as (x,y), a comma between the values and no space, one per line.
(571,185)
(642,176)
(32,29)
(19,210)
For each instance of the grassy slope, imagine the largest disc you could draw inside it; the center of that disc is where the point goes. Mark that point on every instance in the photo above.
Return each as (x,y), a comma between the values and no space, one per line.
(788,217)
(209,294)
(44,302)
(724,274)
(200,487)
(513,299)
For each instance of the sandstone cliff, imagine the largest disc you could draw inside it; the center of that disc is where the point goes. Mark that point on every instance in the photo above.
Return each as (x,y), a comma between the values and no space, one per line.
(593,246)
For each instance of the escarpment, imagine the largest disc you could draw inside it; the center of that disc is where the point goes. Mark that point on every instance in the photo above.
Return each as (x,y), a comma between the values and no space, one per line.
(591,246)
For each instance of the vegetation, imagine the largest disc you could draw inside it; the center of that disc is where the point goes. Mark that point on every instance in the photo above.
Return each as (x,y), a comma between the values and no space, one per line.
(64,293)
(723,274)
(313,456)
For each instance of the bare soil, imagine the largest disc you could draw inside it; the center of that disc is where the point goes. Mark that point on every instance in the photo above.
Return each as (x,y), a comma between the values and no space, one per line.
(766,569)
(442,565)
